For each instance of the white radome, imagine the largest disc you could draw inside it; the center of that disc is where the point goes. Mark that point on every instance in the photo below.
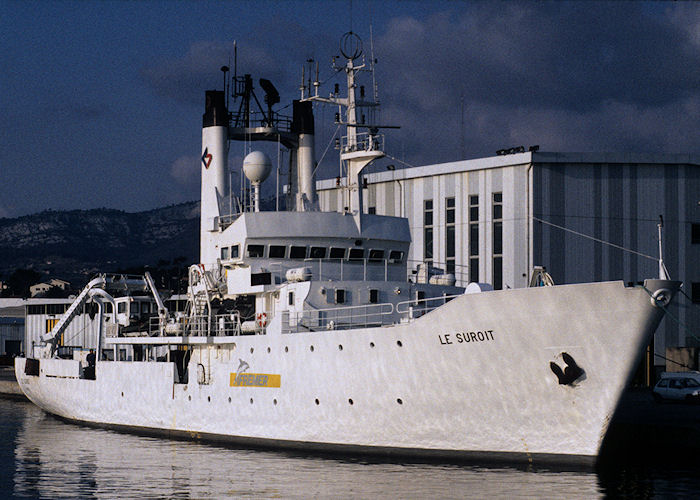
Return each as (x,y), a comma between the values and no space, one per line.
(257,166)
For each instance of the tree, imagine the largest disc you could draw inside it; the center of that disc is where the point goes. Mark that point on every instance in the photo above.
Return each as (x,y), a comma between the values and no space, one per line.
(20,280)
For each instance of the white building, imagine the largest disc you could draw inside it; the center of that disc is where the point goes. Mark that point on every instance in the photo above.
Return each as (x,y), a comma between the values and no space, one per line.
(493,219)
(35,290)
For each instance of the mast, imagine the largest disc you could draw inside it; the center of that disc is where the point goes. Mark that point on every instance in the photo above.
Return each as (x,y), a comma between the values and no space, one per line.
(358,149)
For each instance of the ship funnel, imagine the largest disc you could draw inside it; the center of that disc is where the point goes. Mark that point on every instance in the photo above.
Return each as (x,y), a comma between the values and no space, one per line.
(214,167)
(303,127)
(257,167)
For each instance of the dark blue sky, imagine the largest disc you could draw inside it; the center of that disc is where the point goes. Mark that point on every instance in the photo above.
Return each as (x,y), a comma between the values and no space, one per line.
(101,102)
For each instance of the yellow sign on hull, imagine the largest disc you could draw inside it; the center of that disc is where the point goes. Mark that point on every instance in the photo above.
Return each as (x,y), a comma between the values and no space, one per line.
(255,380)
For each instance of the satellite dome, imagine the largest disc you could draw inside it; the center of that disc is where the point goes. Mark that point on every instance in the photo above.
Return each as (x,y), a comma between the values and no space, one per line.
(257,166)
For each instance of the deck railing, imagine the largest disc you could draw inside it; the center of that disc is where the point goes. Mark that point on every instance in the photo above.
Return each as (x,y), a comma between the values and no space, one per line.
(412,309)
(220,325)
(337,318)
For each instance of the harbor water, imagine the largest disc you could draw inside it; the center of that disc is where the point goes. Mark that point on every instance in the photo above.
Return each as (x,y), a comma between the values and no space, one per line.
(44,457)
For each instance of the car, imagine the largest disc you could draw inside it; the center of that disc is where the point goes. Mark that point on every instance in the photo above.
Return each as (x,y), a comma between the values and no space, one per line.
(679,386)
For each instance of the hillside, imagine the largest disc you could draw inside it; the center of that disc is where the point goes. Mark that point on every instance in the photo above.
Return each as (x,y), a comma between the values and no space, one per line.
(75,244)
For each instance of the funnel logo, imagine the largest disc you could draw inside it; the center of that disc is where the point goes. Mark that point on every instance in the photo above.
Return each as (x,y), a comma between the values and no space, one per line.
(206,158)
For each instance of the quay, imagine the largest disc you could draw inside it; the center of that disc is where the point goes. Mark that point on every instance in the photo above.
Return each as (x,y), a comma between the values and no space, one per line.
(8,384)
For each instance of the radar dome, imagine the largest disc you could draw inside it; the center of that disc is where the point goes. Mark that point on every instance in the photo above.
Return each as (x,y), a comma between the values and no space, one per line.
(257,166)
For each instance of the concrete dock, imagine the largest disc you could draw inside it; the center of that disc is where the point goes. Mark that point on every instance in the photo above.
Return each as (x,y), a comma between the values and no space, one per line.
(8,383)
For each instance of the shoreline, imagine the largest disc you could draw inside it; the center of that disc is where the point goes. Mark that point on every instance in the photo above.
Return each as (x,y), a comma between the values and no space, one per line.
(9,388)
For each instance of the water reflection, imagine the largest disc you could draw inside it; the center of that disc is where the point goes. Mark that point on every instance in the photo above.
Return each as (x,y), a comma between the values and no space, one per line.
(56,459)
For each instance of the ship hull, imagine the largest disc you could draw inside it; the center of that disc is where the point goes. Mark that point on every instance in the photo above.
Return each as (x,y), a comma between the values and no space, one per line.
(473,378)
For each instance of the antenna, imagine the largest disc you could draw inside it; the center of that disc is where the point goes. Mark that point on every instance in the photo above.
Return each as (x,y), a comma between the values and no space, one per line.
(663,272)
(371,64)
(235,69)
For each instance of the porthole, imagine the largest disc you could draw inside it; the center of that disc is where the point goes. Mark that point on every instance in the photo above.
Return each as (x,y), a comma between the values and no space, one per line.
(274,401)
(229,399)
(340,347)
(251,400)
(317,401)
(268,350)
(312,348)
(351,401)
(208,399)
(399,401)
(398,343)
(189,398)
(122,394)
(286,349)
(371,344)
(251,350)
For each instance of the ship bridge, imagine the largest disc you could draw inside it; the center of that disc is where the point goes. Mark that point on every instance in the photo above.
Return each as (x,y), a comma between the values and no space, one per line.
(329,245)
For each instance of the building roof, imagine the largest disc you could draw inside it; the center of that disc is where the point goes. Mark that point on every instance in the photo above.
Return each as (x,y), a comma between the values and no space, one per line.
(515,159)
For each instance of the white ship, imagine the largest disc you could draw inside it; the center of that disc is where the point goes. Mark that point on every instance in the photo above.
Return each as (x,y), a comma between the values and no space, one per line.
(302,331)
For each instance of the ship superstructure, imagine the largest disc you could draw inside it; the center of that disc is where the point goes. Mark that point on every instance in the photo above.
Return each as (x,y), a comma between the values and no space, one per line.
(301,329)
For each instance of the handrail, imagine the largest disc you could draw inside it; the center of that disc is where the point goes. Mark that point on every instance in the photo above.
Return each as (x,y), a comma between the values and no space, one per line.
(338,318)
(226,325)
(416,303)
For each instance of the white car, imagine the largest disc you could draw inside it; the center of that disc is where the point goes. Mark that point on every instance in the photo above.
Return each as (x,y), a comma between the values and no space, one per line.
(678,386)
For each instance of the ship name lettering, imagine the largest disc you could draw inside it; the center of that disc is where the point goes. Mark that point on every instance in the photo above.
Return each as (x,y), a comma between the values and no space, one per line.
(467,337)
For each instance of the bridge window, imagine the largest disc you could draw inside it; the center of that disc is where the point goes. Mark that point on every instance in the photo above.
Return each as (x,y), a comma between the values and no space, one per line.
(225,253)
(235,251)
(277,251)
(357,254)
(376,255)
(395,256)
(121,307)
(339,296)
(297,253)
(317,253)
(337,253)
(256,250)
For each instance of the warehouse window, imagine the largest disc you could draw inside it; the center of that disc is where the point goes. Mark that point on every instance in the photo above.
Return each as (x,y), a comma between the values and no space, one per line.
(695,293)
(497,241)
(36,309)
(450,235)
(428,231)
(474,238)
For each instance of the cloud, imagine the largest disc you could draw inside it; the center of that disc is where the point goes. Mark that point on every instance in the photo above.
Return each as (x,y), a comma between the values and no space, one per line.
(185,170)
(567,76)
(184,78)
